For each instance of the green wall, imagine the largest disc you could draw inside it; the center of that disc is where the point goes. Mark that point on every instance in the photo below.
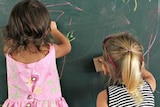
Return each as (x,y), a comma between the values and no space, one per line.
(91,21)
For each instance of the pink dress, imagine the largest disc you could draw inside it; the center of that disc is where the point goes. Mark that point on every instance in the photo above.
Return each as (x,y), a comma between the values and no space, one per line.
(34,85)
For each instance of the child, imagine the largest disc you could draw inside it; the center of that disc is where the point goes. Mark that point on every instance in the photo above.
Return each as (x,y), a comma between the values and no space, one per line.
(131,85)
(31,58)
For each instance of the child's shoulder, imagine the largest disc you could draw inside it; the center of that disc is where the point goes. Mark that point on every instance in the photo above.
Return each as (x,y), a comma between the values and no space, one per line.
(28,57)
(102,99)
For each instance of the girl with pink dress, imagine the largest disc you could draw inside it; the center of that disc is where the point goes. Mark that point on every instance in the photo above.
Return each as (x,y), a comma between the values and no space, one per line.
(32,75)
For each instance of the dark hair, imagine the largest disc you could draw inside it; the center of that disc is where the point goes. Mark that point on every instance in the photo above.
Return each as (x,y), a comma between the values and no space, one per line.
(29,22)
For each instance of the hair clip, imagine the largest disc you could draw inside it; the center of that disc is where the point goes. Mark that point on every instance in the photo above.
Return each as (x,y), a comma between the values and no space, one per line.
(142,57)
(128,51)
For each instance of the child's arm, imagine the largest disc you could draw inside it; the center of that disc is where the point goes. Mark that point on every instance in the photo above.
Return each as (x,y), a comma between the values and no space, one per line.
(149,78)
(62,45)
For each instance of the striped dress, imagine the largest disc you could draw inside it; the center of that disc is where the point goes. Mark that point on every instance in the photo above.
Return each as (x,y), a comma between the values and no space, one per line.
(119,97)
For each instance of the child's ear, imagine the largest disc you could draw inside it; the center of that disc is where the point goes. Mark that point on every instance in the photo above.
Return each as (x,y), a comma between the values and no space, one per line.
(105,69)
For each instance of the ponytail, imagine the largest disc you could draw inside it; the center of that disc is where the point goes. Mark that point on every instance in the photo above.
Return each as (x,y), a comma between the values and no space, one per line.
(131,76)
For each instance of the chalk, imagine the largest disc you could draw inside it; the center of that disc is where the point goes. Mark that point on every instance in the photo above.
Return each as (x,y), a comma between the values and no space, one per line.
(97,63)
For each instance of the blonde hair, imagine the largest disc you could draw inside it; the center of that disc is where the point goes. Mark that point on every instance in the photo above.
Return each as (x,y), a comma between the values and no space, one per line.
(123,55)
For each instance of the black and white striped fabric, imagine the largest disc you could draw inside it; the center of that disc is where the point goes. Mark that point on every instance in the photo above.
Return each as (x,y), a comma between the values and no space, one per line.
(119,97)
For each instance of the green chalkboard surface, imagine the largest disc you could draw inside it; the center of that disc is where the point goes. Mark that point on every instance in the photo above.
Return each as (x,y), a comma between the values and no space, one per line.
(88,22)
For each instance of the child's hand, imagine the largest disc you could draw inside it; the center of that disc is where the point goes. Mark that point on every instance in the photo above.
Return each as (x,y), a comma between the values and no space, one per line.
(53,25)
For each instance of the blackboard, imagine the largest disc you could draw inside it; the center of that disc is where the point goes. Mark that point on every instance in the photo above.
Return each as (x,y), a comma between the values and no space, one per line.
(89,21)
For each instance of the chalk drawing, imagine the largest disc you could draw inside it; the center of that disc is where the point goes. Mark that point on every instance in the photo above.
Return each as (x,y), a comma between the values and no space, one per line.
(153,38)
(70,37)
(135,3)
(61,13)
